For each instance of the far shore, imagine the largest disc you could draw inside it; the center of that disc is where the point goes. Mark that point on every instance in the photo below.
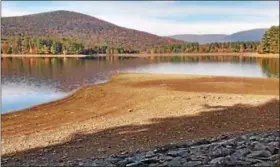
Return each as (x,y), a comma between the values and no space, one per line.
(140,111)
(142,55)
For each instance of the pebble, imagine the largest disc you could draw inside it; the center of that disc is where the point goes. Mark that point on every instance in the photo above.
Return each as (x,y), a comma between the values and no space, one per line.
(150,154)
(220,151)
(275,157)
(259,146)
(176,162)
(217,161)
(242,152)
(192,163)
(262,153)
(139,164)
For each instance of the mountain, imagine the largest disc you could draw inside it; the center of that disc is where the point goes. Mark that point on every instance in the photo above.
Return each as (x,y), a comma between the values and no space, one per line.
(206,38)
(73,25)
(248,35)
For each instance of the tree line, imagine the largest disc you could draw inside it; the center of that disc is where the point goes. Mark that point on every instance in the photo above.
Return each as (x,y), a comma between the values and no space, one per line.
(40,45)
(225,47)
(47,45)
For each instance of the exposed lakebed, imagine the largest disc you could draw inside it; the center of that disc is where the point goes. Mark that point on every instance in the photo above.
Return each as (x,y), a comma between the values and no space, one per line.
(31,81)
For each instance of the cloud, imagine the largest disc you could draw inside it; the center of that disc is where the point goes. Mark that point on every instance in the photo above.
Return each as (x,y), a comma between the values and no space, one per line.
(161,27)
(12,12)
(169,17)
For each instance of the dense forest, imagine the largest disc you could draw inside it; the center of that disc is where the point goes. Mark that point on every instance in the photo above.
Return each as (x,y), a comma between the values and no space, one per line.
(270,41)
(47,45)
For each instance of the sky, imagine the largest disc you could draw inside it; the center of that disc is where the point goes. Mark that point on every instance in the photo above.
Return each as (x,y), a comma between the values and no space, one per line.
(164,17)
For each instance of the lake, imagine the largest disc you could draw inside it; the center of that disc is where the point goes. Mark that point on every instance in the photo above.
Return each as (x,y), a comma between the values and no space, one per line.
(31,81)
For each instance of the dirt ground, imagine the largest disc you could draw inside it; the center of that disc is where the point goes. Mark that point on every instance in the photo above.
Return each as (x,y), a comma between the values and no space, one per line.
(140,111)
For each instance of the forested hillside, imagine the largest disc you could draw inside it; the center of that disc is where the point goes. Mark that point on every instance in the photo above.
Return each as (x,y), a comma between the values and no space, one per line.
(270,41)
(91,31)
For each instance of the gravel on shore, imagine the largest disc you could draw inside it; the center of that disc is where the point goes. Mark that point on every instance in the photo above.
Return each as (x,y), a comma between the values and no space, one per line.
(252,149)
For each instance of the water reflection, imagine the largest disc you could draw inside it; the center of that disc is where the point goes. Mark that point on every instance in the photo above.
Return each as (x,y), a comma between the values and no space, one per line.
(270,67)
(29,81)
(15,97)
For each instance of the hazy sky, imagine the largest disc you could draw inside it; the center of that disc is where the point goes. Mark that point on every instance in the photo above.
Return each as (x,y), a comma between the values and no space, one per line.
(164,17)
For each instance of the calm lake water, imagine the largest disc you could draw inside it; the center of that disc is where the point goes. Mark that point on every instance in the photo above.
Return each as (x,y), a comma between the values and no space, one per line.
(30,81)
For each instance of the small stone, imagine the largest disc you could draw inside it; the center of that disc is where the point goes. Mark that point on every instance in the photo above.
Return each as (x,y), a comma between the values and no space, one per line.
(259,146)
(166,158)
(242,138)
(243,163)
(217,161)
(273,147)
(252,160)
(124,153)
(150,154)
(240,143)
(113,160)
(47,149)
(201,142)
(123,163)
(101,150)
(79,140)
(274,157)
(136,164)
(177,152)
(183,160)
(262,153)
(176,162)
(241,152)
(263,164)
(229,142)
(164,164)
(220,151)
(224,161)
(192,163)
(253,138)
(149,160)
(130,110)
(277,163)
(166,148)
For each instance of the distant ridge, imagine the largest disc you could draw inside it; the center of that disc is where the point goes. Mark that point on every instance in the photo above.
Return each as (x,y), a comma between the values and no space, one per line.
(67,24)
(248,35)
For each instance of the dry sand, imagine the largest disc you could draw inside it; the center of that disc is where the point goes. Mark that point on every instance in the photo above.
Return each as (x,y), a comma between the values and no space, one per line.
(140,111)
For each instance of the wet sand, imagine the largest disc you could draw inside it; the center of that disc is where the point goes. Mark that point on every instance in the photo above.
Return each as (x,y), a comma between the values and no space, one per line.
(140,111)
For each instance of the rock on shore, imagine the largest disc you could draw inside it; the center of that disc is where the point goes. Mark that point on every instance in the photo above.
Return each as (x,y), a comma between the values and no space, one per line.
(253,149)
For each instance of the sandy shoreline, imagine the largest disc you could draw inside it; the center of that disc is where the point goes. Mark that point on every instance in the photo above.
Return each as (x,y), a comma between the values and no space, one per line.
(147,55)
(138,111)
